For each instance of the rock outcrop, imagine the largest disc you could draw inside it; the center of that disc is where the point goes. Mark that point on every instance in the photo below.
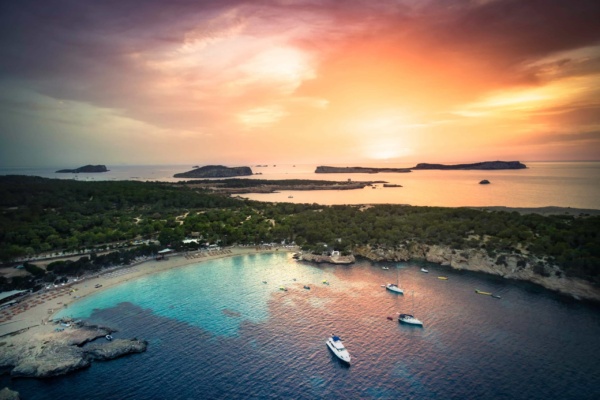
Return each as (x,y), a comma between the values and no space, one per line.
(7,394)
(356,170)
(115,349)
(509,265)
(85,169)
(485,165)
(61,353)
(215,171)
(334,259)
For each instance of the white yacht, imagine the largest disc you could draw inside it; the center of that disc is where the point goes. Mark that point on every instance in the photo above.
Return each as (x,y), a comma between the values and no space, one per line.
(410,318)
(392,287)
(337,347)
(424,270)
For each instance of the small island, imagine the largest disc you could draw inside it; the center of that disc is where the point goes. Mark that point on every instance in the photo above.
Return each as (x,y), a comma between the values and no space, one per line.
(215,171)
(485,165)
(356,170)
(85,169)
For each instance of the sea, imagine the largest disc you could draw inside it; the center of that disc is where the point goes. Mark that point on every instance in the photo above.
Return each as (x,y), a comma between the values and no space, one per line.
(224,329)
(541,184)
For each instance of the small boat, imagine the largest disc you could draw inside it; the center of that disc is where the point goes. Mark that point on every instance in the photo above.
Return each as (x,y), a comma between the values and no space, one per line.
(98,286)
(482,292)
(410,318)
(109,337)
(283,288)
(325,283)
(392,287)
(444,278)
(385,267)
(307,287)
(424,270)
(337,347)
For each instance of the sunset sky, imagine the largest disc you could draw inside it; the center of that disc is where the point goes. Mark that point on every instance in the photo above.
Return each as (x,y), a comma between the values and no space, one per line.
(298,81)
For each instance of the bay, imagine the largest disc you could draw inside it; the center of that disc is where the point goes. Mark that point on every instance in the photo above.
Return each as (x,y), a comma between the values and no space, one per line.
(215,330)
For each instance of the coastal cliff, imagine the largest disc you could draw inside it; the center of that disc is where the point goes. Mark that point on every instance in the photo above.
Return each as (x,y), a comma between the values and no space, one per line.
(485,165)
(215,171)
(85,169)
(356,170)
(507,265)
(62,352)
(334,259)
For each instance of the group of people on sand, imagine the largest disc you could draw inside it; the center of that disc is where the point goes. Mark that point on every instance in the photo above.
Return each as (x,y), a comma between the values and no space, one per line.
(201,254)
(32,300)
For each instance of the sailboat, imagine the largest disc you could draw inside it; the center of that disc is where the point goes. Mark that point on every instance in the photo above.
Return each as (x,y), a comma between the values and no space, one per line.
(410,318)
(393,287)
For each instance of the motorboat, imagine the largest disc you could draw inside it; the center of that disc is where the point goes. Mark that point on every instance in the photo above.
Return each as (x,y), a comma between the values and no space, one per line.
(482,292)
(385,267)
(109,337)
(337,347)
(444,278)
(392,287)
(424,270)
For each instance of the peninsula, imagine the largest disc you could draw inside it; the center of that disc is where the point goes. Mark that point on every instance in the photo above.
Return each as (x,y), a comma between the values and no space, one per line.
(215,171)
(242,186)
(46,353)
(85,169)
(485,165)
(356,170)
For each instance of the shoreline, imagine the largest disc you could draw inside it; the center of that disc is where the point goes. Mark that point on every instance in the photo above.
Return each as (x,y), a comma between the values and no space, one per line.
(35,312)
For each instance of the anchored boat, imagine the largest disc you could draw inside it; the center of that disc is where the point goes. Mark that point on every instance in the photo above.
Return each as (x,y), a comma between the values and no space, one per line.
(410,318)
(337,347)
(393,287)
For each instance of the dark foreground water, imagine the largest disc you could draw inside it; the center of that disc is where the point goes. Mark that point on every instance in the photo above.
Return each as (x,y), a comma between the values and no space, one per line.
(216,331)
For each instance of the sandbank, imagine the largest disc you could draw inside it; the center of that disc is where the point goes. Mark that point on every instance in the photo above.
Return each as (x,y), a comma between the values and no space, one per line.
(32,316)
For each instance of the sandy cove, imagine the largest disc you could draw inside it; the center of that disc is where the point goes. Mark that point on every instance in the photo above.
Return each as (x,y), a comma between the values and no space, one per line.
(30,318)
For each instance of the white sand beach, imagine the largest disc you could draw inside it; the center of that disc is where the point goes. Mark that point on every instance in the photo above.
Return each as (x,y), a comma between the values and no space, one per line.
(32,315)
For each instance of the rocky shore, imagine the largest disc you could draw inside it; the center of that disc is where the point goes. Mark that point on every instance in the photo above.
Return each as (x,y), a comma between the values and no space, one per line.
(335,259)
(511,266)
(62,351)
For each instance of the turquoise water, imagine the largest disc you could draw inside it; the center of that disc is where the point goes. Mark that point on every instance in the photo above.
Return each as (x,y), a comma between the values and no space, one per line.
(208,294)
(216,331)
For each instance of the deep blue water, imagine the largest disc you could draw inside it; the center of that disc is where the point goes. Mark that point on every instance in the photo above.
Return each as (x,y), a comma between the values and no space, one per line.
(216,331)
